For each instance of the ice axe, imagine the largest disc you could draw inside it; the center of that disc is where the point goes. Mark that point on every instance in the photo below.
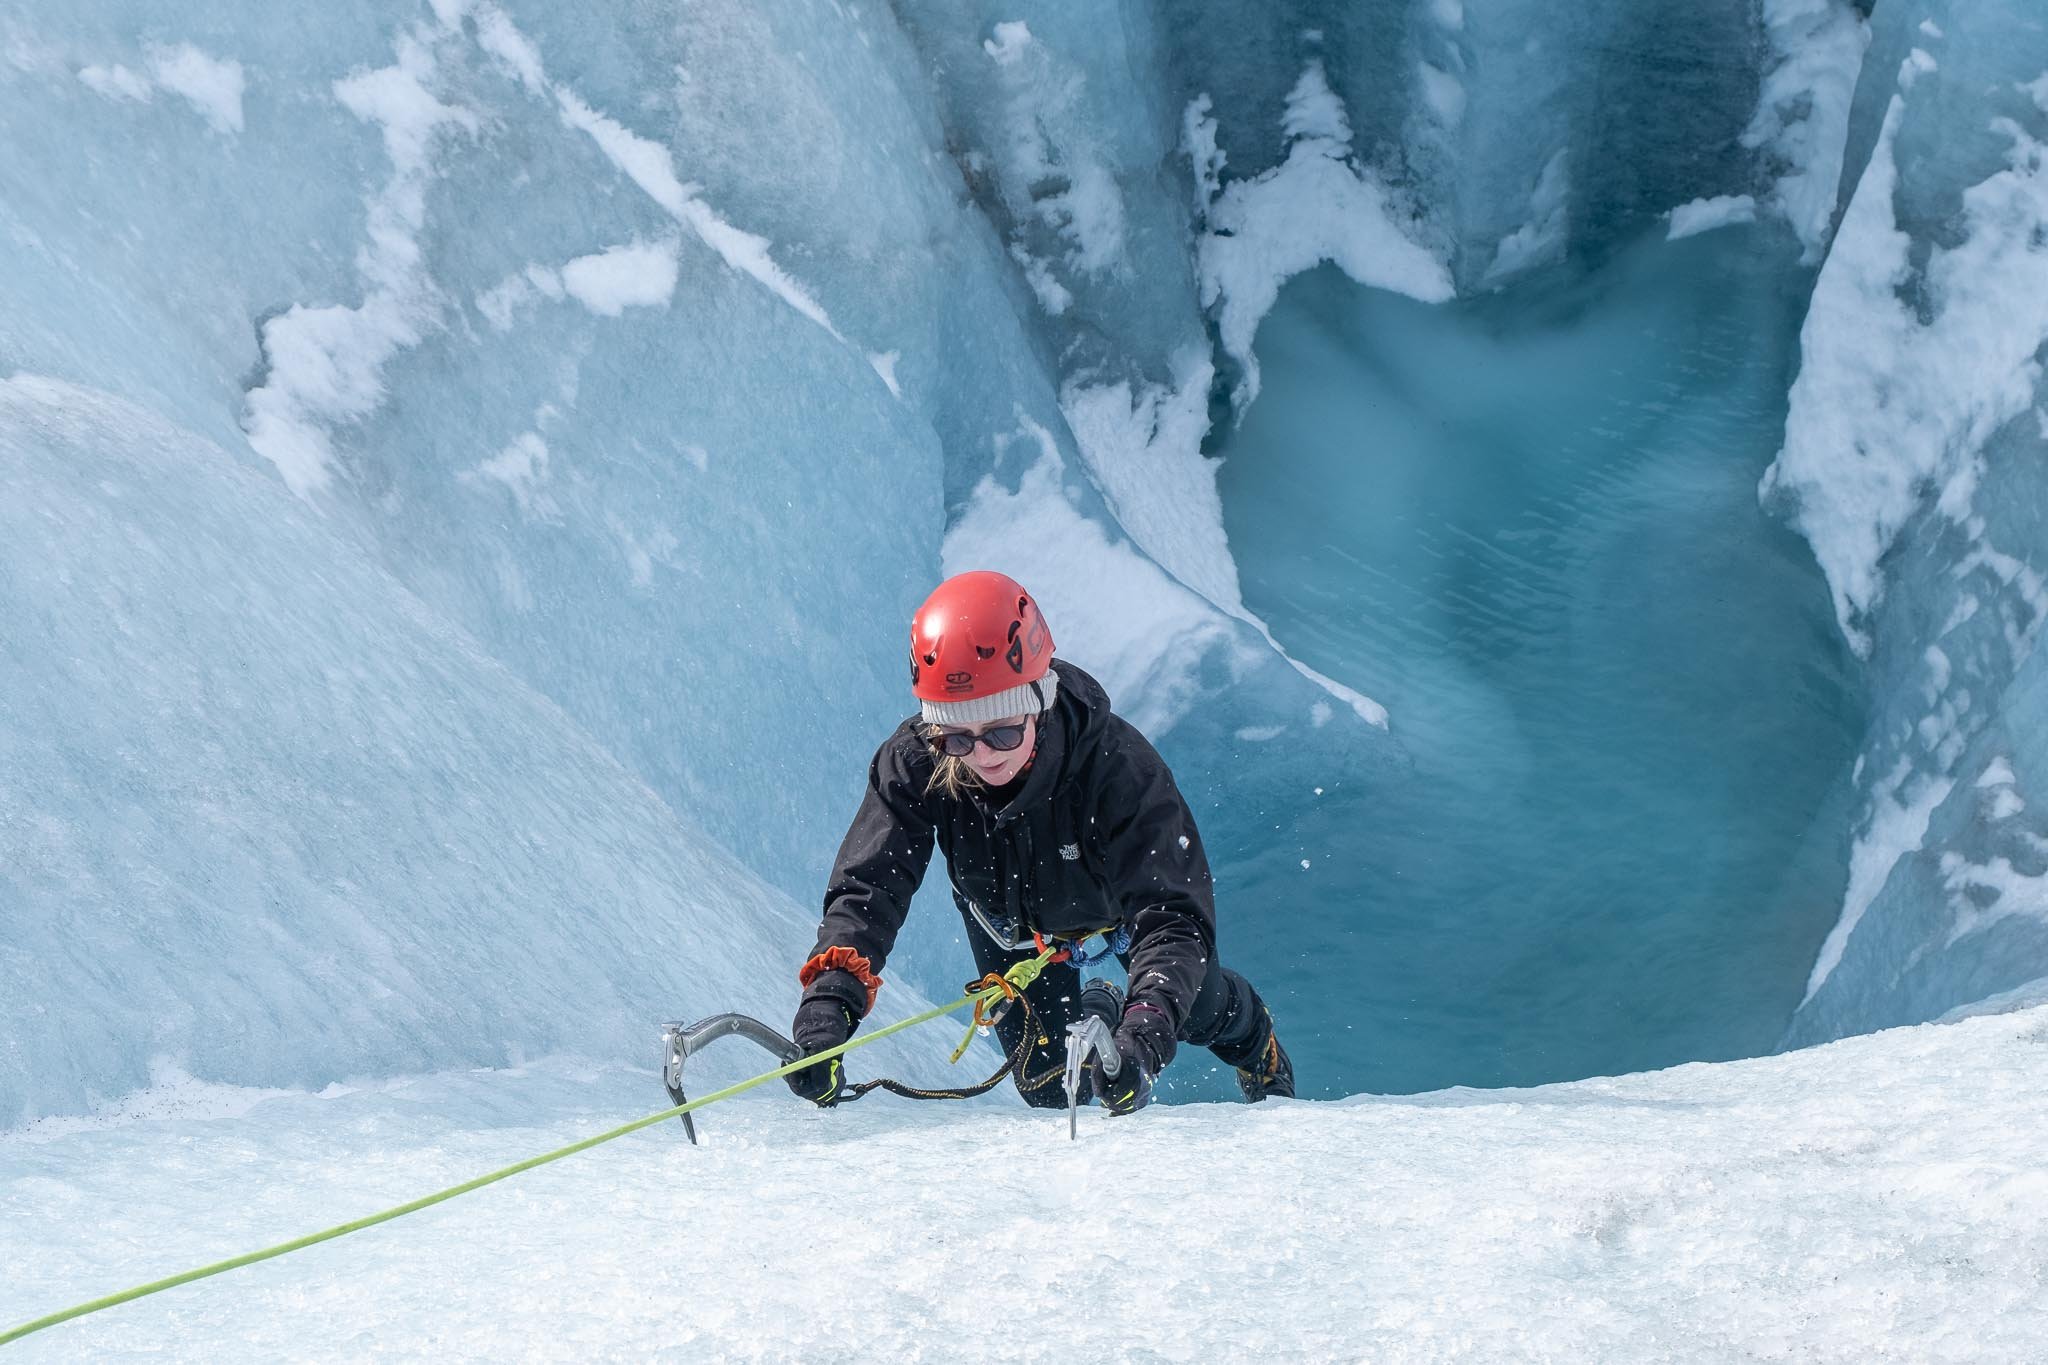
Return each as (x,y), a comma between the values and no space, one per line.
(1087,1037)
(679,1040)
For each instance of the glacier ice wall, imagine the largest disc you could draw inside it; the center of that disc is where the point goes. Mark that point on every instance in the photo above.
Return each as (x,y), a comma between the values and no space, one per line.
(1913,461)
(410,265)
(264,814)
(648,368)
(636,379)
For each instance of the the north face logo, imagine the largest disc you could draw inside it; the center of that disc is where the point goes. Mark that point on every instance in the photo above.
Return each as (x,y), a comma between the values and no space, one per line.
(1071,852)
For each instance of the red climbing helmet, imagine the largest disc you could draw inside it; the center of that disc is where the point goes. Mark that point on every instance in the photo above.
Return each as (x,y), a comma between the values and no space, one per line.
(980,650)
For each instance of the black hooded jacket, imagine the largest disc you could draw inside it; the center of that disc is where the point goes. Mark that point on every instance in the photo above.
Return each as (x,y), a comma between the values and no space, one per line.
(1097,835)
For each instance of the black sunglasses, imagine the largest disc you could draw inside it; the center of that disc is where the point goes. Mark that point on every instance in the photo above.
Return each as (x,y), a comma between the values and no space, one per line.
(1001,738)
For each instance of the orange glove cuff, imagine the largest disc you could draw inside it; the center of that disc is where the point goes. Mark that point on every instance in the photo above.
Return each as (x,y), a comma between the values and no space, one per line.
(841,960)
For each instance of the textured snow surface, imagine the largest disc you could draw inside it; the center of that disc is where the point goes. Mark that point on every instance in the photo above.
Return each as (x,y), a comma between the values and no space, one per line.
(1884,1198)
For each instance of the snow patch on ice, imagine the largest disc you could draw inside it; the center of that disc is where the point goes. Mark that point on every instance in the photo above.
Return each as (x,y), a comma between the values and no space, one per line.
(325,364)
(1314,111)
(1997,773)
(884,364)
(1009,42)
(521,467)
(649,166)
(2003,805)
(211,85)
(1900,807)
(1092,584)
(1362,706)
(1051,294)
(634,275)
(1987,893)
(1198,143)
(117,83)
(1704,215)
(645,162)
(208,84)
(1056,182)
(1144,450)
(1320,204)
(1802,120)
(501,302)
(1939,670)
(1544,236)
(497,36)
(1890,410)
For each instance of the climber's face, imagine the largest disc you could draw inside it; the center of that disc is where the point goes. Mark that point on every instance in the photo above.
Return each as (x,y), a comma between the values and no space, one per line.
(992,763)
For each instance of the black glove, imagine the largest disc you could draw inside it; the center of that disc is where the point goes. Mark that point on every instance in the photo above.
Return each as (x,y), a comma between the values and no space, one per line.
(822,1022)
(1144,1042)
(1124,1093)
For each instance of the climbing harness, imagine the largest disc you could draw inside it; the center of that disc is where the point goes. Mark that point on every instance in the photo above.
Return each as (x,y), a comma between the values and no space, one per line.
(1100,946)
(1007,988)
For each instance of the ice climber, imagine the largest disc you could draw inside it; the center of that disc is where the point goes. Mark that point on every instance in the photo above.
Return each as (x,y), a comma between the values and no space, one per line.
(1058,820)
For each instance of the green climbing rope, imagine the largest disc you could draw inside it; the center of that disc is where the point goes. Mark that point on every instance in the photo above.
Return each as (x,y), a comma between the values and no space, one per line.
(1019,977)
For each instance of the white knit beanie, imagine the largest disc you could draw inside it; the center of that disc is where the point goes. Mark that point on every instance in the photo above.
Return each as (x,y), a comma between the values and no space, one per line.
(1025,699)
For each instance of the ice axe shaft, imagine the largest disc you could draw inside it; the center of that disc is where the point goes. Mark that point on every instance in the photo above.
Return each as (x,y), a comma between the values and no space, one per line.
(1087,1037)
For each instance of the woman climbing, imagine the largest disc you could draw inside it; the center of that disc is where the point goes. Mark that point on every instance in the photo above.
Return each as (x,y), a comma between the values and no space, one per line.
(1058,820)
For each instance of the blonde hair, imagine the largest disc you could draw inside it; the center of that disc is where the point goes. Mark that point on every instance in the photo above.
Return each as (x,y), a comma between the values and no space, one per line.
(955,777)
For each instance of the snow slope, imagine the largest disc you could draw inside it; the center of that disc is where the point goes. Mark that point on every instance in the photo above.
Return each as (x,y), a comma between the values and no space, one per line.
(1882,1198)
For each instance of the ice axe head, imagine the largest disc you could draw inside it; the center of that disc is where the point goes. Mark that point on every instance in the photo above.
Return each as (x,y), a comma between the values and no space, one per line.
(1088,1040)
(679,1040)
